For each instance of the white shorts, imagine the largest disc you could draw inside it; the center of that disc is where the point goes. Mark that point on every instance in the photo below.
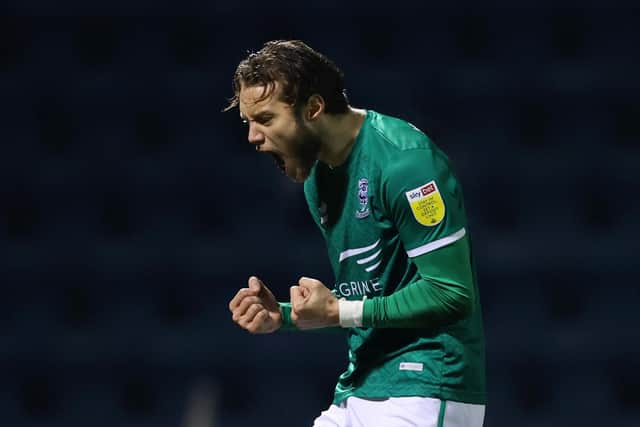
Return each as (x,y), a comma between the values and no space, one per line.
(401,412)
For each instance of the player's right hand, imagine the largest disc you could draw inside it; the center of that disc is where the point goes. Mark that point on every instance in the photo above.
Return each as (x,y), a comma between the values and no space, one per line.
(256,309)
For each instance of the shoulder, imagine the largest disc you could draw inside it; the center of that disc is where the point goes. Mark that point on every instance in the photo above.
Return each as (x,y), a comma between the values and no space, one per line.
(397,134)
(404,148)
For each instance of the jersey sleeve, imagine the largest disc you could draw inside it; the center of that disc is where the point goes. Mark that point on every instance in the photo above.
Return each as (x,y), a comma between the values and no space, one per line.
(444,293)
(424,200)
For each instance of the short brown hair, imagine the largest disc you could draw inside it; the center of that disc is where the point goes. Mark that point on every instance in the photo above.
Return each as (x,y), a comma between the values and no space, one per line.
(301,70)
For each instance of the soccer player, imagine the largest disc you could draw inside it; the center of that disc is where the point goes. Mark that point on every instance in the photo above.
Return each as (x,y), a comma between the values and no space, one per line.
(391,210)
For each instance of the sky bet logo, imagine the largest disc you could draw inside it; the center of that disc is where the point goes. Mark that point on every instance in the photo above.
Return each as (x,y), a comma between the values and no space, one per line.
(414,195)
(428,189)
(421,192)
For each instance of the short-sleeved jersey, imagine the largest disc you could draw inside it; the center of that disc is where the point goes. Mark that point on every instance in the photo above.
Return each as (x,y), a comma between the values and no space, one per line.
(396,198)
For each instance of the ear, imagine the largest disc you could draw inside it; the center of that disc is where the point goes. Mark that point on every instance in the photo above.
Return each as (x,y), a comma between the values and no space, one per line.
(314,108)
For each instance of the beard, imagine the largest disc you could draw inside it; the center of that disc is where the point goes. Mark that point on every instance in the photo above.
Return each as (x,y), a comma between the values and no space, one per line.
(305,152)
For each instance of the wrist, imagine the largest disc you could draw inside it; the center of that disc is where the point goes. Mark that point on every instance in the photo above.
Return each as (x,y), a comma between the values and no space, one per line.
(285,317)
(333,312)
(350,313)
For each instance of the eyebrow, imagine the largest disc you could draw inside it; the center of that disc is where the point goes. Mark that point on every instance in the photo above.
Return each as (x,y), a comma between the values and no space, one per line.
(258,116)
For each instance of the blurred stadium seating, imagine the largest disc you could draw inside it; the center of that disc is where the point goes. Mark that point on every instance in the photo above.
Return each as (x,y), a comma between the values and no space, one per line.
(131,208)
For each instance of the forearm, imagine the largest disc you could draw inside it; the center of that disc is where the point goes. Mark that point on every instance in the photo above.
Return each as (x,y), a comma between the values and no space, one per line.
(443,294)
(423,303)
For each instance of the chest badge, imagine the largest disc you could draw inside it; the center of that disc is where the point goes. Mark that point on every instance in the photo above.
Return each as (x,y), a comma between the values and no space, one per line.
(363,198)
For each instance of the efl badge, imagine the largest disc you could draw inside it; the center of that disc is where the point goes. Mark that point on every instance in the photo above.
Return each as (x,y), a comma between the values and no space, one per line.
(363,198)
(426,204)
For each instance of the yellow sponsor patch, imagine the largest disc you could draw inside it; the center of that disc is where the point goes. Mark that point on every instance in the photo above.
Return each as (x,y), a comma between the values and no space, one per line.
(426,204)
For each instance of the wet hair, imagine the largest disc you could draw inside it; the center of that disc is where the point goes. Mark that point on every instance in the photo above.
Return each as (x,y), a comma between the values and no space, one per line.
(300,70)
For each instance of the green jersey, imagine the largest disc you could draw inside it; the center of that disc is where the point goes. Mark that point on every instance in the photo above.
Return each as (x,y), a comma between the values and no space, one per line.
(394,199)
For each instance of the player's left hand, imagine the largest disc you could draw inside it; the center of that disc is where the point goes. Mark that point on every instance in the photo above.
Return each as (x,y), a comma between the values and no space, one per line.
(313,305)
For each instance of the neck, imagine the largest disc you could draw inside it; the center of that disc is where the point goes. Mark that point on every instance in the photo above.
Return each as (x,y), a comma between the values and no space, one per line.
(340,132)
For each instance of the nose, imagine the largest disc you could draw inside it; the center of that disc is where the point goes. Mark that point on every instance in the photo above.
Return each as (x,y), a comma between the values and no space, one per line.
(255,136)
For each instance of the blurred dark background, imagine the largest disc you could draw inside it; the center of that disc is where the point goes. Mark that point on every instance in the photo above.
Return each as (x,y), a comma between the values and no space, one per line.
(132,209)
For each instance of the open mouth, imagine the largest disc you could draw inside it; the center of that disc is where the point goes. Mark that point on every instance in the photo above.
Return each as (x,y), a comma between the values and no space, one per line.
(279,161)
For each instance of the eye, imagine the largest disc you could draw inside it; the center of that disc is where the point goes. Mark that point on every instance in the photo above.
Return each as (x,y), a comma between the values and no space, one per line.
(264,120)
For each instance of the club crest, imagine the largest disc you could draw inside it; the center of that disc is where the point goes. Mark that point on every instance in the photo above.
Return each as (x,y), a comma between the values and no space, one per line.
(363,198)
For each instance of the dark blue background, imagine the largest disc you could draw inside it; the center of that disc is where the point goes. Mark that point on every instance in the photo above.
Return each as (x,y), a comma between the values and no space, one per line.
(132,209)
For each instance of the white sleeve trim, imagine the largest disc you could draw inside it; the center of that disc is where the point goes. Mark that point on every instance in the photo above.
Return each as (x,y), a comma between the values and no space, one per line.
(429,247)
(350,313)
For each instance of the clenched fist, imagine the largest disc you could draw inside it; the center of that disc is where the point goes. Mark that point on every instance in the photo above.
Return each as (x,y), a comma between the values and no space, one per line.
(256,309)
(313,305)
